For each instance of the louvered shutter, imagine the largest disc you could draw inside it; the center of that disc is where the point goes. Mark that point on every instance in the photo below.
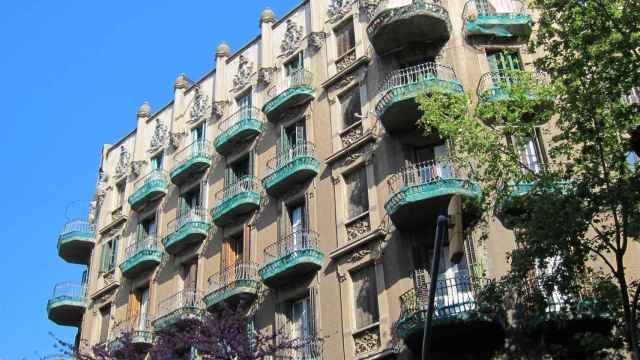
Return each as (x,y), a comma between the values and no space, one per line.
(114,253)
(103,257)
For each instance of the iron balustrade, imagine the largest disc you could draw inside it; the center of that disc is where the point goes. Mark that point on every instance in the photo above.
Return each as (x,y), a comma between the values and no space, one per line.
(244,113)
(194,215)
(423,173)
(394,12)
(153,176)
(198,148)
(244,184)
(136,245)
(541,293)
(240,271)
(78,226)
(415,74)
(132,325)
(475,8)
(309,347)
(186,298)
(493,82)
(297,78)
(297,241)
(69,291)
(286,155)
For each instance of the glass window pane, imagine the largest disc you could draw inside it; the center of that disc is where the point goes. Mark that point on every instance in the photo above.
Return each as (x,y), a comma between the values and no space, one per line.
(357,193)
(365,296)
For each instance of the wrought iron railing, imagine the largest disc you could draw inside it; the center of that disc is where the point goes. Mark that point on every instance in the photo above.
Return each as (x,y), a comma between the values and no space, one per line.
(187,298)
(398,11)
(297,241)
(79,226)
(153,176)
(287,154)
(136,245)
(305,348)
(132,325)
(69,291)
(497,82)
(195,214)
(475,8)
(244,184)
(415,74)
(424,172)
(240,271)
(244,113)
(198,148)
(297,78)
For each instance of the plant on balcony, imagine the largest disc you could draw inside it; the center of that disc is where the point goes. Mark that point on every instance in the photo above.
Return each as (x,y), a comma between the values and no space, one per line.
(590,52)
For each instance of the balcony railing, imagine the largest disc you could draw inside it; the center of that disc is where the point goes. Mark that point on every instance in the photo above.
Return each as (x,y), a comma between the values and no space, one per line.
(508,18)
(497,85)
(69,291)
(301,240)
(424,173)
(139,330)
(481,8)
(141,254)
(428,71)
(294,164)
(185,304)
(240,278)
(192,158)
(78,227)
(151,185)
(192,226)
(309,348)
(245,184)
(298,249)
(295,87)
(239,197)
(193,215)
(241,125)
(67,304)
(76,240)
(287,155)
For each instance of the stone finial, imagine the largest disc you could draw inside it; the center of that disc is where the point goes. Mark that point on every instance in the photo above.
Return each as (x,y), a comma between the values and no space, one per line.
(223,50)
(144,110)
(181,82)
(267,16)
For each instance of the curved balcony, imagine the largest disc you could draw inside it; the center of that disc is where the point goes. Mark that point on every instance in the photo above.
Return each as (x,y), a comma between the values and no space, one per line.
(510,208)
(236,200)
(292,91)
(233,285)
(148,188)
(76,241)
(190,161)
(241,126)
(422,191)
(187,230)
(508,20)
(395,28)
(141,256)
(140,333)
(294,255)
(459,315)
(291,166)
(397,107)
(67,305)
(184,305)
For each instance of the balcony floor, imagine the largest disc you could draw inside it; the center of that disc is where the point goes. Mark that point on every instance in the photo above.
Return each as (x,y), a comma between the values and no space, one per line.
(141,262)
(291,266)
(147,193)
(237,205)
(297,171)
(177,316)
(284,101)
(189,234)
(76,247)
(244,291)
(66,311)
(244,130)
(505,26)
(190,168)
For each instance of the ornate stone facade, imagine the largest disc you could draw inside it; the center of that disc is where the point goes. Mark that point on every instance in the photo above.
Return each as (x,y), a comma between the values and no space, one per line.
(358,228)
(201,106)
(351,134)
(159,138)
(338,9)
(346,60)
(292,39)
(123,162)
(367,341)
(244,75)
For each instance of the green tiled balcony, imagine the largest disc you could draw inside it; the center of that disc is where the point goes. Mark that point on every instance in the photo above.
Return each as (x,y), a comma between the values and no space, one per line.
(295,89)
(141,255)
(190,161)
(67,305)
(148,188)
(185,305)
(243,125)
(423,190)
(396,106)
(236,200)
(139,331)
(459,315)
(76,241)
(293,256)
(236,283)
(395,28)
(510,20)
(188,229)
(291,166)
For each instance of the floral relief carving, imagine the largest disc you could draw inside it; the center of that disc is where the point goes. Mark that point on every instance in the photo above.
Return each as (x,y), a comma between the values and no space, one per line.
(351,158)
(98,197)
(369,7)
(244,75)
(123,162)
(201,107)
(159,136)
(316,39)
(346,60)
(137,166)
(358,228)
(351,135)
(338,9)
(359,255)
(342,83)
(218,108)
(367,341)
(292,39)
(175,138)
(265,75)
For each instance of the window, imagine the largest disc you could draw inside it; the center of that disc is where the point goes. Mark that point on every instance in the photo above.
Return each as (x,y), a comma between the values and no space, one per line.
(299,316)
(156,162)
(239,169)
(120,192)
(190,200)
(357,193)
(351,107)
(109,255)
(504,60)
(296,225)
(147,228)
(139,308)
(198,133)
(291,136)
(190,275)
(105,315)
(531,152)
(632,160)
(345,38)
(365,296)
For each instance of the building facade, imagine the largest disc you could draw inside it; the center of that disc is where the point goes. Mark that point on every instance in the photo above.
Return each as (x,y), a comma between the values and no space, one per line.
(292,176)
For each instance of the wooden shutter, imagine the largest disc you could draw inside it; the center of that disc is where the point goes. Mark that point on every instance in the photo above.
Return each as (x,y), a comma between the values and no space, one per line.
(540,146)
(134,306)
(103,257)
(105,314)
(114,253)
(284,140)
(281,323)
(226,254)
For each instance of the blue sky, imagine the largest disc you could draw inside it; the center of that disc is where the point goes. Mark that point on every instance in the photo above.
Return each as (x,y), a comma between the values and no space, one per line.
(73,75)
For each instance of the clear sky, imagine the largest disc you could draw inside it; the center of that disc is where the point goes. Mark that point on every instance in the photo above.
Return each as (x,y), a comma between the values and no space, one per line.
(74,73)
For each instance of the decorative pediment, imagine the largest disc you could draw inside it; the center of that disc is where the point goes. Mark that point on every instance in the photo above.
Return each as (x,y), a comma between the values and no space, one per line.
(123,162)
(338,9)
(160,136)
(292,39)
(244,75)
(201,106)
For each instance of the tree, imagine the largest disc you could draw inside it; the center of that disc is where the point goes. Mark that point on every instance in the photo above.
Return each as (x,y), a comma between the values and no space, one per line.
(581,208)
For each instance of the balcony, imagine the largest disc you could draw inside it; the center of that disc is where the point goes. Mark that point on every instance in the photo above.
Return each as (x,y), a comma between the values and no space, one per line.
(243,125)
(141,256)
(236,200)
(182,306)
(309,348)
(418,22)
(187,230)
(76,241)
(509,20)
(459,315)
(295,89)
(190,161)
(293,256)
(397,107)
(148,188)
(511,206)
(235,284)
(422,191)
(67,305)
(140,333)
(291,166)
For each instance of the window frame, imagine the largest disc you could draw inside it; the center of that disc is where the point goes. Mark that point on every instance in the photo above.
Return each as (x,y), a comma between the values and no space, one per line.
(362,170)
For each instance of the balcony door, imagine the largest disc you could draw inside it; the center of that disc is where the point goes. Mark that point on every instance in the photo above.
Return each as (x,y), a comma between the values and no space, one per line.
(295,226)
(427,163)
(293,67)
(147,228)
(291,137)
(504,60)
(453,291)
(190,200)
(144,309)
(198,134)
(244,105)
(238,170)
(190,275)
(157,162)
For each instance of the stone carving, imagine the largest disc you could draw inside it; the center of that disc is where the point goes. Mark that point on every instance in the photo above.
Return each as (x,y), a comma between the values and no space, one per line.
(219,108)
(369,7)
(117,214)
(367,341)
(265,75)
(316,39)
(346,60)
(358,228)
(244,75)
(342,277)
(175,138)
(201,108)
(351,135)
(98,197)
(137,166)
(351,158)
(343,82)
(159,138)
(336,179)
(359,255)
(338,9)
(123,162)
(292,39)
